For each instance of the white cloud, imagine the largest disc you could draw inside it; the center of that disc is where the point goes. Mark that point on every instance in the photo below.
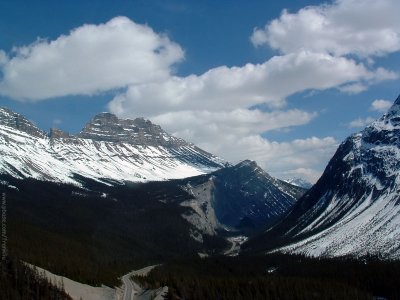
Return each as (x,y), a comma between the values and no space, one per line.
(360,122)
(211,109)
(210,130)
(361,27)
(353,88)
(3,58)
(226,88)
(281,158)
(90,59)
(381,105)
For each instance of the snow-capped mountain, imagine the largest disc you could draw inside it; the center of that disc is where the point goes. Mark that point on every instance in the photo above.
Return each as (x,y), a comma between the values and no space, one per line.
(243,196)
(354,208)
(107,149)
(299,182)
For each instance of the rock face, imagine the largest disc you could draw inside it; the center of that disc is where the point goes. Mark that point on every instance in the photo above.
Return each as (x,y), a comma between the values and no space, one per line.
(11,119)
(107,127)
(107,149)
(355,206)
(248,196)
(58,134)
(242,197)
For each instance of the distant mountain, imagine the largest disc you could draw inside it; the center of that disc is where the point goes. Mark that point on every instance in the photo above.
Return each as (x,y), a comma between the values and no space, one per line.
(299,182)
(107,149)
(354,208)
(243,196)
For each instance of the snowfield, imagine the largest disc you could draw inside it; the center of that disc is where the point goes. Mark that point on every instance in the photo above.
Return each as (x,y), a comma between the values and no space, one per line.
(356,204)
(27,152)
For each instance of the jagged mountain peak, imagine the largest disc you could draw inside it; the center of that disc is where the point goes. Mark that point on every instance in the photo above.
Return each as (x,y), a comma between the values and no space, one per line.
(107,149)
(56,133)
(397,101)
(354,208)
(249,169)
(108,127)
(393,114)
(250,166)
(14,120)
(247,163)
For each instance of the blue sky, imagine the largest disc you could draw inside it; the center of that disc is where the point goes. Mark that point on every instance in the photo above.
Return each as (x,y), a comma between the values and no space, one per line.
(282,83)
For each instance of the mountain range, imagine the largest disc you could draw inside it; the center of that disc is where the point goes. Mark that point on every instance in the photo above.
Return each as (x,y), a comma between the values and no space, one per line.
(106,149)
(128,189)
(115,151)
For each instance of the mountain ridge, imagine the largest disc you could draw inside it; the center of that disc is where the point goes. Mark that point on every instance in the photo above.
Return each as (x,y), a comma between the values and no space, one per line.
(106,148)
(240,197)
(354,208)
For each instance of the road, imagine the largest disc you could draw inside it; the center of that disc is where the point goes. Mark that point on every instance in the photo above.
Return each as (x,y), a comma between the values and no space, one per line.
(235,245)
(132,291)
(129,291)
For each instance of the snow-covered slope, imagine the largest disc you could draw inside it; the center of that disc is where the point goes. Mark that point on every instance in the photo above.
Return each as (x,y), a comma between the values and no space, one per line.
(355,207)
(107,148)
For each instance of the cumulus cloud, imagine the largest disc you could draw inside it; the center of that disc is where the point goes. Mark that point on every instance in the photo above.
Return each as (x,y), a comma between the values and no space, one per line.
(360,122)
(90,59)
(361,27)
(226,88)
(205,128)
(212,109)
(353,88)
(381,105)
(3,58)
(304,157)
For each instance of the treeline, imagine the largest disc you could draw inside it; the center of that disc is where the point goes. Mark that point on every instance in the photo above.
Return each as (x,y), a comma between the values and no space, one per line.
(277,276)
(20,282)
(80,234)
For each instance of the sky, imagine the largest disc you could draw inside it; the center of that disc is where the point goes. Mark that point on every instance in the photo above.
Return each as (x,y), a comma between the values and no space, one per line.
(279,82)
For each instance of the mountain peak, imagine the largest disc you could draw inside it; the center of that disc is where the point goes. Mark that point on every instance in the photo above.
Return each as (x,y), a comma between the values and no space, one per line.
(397,101)
(108,127)
(394,110)
(106,117)
(107,150)
(247,163)
(57,133)
(14,120)
(299,182)
(354,208)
